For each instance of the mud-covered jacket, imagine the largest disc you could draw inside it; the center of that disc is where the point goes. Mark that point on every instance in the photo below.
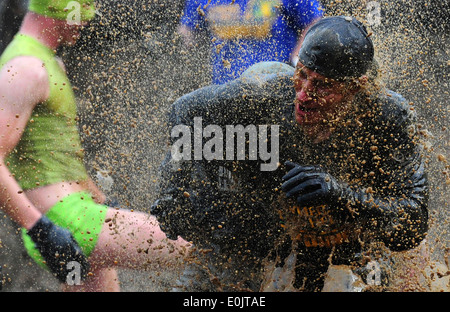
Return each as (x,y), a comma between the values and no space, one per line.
(239,207)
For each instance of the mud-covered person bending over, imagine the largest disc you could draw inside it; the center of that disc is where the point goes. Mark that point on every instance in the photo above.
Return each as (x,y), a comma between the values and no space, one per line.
(350,168)
(44,185)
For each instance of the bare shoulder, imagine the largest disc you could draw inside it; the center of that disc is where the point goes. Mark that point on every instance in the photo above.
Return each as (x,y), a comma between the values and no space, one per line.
(25,74)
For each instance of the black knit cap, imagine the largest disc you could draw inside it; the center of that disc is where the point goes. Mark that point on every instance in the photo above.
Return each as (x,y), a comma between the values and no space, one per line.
(337,47)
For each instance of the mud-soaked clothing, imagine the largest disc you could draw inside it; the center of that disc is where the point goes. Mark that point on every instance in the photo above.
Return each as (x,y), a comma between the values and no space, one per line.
(50,151)
(239,216)
(79,213)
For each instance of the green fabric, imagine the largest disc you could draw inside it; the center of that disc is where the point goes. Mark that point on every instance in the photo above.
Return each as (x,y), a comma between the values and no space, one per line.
(64,9)
(50,149)
(80,214)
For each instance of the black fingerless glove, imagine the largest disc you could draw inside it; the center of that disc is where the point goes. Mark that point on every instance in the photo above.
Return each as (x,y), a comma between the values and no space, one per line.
(58,248)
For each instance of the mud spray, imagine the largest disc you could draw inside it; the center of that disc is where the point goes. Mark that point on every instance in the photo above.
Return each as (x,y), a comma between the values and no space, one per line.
(131,64)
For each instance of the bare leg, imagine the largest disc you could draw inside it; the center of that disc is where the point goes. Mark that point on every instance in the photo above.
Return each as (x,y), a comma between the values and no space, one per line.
(133,240)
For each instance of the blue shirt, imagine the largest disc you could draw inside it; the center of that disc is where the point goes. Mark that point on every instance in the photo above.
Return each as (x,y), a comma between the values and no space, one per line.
(246,32)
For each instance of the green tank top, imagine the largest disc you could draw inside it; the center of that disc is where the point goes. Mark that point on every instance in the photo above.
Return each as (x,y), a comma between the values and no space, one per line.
(50,148)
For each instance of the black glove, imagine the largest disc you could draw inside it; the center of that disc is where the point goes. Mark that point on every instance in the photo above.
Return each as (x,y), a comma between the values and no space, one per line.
(311,185)
(58,247)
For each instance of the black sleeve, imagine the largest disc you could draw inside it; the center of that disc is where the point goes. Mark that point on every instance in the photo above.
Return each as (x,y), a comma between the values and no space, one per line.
(396,207)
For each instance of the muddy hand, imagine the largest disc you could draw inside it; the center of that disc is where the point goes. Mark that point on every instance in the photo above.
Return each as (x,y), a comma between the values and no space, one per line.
(58,247)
